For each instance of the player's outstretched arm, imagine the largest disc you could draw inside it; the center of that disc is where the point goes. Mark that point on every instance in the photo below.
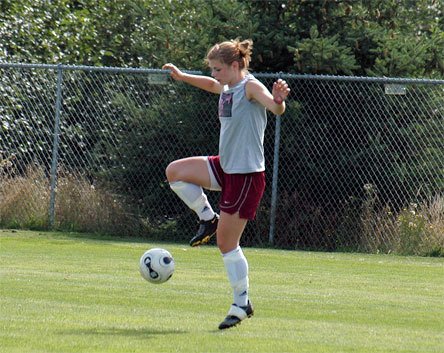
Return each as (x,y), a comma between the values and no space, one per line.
(203,82)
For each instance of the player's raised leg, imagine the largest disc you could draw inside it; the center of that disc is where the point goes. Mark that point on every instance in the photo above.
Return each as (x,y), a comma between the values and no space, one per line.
(187,177)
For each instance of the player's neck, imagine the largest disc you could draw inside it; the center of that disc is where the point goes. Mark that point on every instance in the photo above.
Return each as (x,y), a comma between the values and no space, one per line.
(237,79)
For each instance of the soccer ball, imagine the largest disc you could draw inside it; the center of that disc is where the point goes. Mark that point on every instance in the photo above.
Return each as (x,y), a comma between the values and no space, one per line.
(156,265)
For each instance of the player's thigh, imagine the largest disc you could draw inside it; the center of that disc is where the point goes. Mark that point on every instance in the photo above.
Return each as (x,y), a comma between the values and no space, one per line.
(229,231)
(191,170)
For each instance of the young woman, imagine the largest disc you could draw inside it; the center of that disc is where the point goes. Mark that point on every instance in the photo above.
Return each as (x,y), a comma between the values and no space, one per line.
(238,170)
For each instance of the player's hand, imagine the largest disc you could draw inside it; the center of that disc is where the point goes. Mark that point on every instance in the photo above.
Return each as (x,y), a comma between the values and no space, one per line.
(280,91)
(175,72)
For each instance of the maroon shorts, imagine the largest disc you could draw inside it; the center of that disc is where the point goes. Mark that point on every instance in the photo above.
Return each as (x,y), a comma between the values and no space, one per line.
(240,192)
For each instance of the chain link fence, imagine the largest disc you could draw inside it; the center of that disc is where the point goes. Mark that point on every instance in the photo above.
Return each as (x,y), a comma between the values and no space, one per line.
(354,164)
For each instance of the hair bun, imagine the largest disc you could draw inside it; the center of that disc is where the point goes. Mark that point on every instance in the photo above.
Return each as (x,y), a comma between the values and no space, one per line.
(245,47)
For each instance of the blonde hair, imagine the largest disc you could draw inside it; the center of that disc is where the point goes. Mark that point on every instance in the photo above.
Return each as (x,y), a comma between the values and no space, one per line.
(231,51)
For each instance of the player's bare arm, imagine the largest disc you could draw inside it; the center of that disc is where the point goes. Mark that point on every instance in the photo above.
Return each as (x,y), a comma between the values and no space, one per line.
(275,101)
(203,82)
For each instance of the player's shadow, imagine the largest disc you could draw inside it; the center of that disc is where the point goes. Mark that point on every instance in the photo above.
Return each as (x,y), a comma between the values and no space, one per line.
(128,332)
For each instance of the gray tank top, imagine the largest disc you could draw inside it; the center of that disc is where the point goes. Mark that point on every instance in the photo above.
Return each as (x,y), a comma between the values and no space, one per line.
(243,124)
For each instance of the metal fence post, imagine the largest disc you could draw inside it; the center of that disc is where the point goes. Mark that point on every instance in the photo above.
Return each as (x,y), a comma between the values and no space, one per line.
(55,147)
(274,184)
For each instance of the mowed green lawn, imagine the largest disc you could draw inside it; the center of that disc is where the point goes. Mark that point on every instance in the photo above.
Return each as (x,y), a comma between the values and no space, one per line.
(65,292)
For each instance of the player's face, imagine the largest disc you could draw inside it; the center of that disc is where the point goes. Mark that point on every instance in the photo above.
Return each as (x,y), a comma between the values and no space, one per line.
(223,73)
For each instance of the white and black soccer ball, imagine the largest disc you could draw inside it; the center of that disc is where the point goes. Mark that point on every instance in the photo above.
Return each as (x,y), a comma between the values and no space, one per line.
(156,265)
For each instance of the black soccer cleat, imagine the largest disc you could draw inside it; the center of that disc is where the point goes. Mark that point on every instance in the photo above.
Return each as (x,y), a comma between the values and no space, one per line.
(205,232)
(236,314)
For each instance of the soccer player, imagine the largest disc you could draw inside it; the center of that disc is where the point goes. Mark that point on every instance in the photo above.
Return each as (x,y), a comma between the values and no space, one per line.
(238,170)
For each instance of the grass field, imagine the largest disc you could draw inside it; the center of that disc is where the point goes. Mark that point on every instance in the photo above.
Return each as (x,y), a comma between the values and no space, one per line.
(65,292)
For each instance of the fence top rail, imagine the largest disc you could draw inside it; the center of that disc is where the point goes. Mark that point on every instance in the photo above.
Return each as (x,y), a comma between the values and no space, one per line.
(88,68)
(393,80)
(390,80)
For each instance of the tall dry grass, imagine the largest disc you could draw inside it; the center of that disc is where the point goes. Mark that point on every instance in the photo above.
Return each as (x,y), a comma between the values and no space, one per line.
(417,229)
(421,228)
(80,206)
(24,200)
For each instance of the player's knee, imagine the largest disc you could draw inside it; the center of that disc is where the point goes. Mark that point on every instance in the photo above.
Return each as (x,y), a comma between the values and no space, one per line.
(171,172)
(224,245)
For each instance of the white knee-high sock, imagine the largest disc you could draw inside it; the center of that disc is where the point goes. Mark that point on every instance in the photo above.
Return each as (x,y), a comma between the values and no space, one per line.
(194,198)
(237,270)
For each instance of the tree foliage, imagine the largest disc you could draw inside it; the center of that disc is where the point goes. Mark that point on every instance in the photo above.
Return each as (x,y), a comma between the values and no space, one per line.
(373,37)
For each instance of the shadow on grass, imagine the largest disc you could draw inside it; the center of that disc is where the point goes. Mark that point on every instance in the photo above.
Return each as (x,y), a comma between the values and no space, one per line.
(119,331)
(95,237)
